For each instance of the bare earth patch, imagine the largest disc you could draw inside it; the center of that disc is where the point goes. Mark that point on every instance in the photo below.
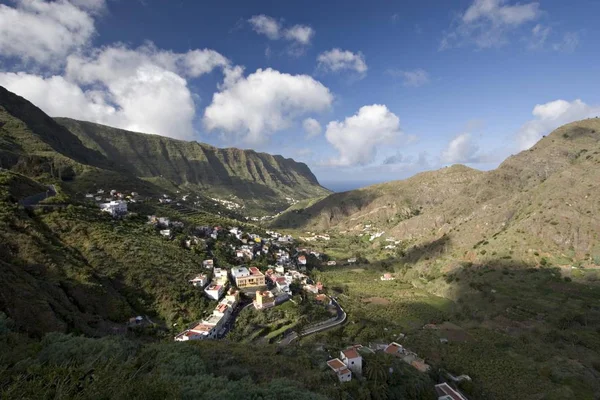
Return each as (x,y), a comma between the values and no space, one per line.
(358,270)
(377,300)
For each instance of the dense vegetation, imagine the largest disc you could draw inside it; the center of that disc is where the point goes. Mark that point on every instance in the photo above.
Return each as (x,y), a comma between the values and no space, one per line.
(259,181)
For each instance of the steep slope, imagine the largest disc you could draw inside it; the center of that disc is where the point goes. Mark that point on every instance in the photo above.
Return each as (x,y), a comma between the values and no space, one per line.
(384,204)
(251,177)
(544,198)
(87,155)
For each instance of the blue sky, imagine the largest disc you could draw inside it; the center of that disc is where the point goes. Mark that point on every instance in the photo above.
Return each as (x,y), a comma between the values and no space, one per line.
(389,89)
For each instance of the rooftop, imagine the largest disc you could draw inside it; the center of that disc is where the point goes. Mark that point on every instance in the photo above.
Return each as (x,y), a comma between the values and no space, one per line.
(238,272)
(393,348)
(202,328)
(445,389)
(214,287)
(336,364)
(255,271)
(350,353)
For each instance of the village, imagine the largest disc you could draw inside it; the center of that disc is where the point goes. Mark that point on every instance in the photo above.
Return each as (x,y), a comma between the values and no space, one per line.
(238,286)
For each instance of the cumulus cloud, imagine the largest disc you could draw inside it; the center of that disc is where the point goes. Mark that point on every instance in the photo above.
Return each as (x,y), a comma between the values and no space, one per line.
(265,25)
(152,100)
(336,60)
(300,33)
(357,137)
(487,23)
(264,102)
(312,127)
(46,32)
(461,149)
(118,62)
(550,116)
(412,78)
(274,30)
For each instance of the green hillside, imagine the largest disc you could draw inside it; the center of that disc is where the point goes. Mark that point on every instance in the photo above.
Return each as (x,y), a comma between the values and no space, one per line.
(258,180)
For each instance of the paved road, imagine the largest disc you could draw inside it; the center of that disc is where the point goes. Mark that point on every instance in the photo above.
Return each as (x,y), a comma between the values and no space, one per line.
(36,198)
(341,317)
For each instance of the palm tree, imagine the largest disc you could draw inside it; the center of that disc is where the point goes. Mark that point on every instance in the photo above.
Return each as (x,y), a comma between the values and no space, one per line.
(376,369)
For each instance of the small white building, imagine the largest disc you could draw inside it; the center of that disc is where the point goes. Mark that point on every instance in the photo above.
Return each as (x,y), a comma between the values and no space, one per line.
(214,291)
(166,233)
(352,359)
(199,280)
(331,263)
(208,264)
(115,208)
(340,369)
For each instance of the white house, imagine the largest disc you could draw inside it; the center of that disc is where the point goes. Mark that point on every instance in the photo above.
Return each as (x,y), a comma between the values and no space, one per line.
(166,233)
(164,221)
(214,291)
(199,280)
(331,263)
(352,359)
(342,372)
(208,264)
(115,208)
(446,392)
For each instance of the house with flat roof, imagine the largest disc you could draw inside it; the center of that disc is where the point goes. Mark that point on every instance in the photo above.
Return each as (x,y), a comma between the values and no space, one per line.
(115,208)
(340,369)
(199,280)
(214,291)
(352,359)
(447,392)
(247,277)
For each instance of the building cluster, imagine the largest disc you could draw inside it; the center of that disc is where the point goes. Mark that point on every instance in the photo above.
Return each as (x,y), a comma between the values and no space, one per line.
(113,201)
(312,237)
(213,326)
(349,362)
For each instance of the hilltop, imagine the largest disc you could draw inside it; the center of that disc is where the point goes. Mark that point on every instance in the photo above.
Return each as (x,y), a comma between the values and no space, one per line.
(83,155)
(541,199)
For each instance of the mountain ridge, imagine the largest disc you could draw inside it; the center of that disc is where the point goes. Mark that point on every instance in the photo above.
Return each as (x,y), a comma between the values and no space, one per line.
(88,153)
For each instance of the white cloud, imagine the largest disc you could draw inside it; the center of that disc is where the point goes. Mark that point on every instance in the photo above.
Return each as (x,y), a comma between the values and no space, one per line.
(300,33)
(414,78)
(142,89)
(114,63)
(336,60)
(539,36)
(265,25)
(264,102)
(487,23)
(461,149)
(312,127)
(46,32)
(552,115)
(357,137)
(274,30)
(153,100)
(568,44)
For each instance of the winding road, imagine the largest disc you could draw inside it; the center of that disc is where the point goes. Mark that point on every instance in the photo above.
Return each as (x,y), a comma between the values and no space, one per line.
(340,319)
